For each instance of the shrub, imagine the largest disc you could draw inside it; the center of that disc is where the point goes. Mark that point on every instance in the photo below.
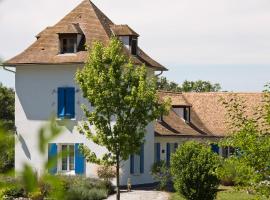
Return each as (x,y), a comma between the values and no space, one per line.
(193,168)
(13,192)
(86,188)
(84,193)
(107,173)
(233,171)
(263,188)
(227,172)
(161,173)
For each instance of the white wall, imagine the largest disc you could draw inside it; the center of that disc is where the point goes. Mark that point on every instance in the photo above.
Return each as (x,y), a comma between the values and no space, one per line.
(180,140)
(36,100)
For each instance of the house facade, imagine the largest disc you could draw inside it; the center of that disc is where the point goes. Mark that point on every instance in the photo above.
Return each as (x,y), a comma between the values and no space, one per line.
(45,86)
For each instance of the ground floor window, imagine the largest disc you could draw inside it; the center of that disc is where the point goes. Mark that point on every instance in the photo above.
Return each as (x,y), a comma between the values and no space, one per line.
(68,157)
(170,149)
(137,162)
(71,159)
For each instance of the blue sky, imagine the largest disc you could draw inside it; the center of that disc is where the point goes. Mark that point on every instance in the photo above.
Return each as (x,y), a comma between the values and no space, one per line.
(224,41)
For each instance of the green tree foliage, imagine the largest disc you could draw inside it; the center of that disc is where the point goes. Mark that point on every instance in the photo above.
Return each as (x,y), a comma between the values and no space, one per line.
(7,106)
(188,86)
(250,136)
(124,99)
(193,167)
(6,151)
(164,84)
(200,86)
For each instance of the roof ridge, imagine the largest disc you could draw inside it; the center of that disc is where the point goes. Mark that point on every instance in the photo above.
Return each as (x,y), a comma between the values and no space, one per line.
(171,92)
(105,21)
(201,93)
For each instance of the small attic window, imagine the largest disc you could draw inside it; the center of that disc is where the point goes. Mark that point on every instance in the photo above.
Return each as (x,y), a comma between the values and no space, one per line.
(183,112)
(186,114)
(68,43)
(134,45)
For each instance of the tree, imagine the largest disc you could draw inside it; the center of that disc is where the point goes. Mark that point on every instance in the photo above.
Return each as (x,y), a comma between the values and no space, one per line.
(250,135)
(188,86)
(164,84)
(7,107)
(200,86)
(193,168)
(125,102)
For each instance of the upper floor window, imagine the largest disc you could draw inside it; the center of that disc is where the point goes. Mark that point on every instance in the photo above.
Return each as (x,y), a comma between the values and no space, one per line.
(68,43)
(134,45)
(66,103)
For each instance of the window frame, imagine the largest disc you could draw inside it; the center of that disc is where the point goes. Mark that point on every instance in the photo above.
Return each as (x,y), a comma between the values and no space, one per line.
(60,160)
(133,45)
(68,37)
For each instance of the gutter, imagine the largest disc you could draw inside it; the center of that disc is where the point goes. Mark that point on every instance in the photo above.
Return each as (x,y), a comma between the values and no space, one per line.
(161,72)
(6,69)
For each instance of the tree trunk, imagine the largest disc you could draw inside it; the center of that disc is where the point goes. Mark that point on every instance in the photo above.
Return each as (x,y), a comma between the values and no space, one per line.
(117,178)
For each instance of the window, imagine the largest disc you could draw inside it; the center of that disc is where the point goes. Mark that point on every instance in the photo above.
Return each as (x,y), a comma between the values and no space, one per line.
(68,43)
(137,162)
(187,114)
(68,157)
(227,151)
(72,161)
(170,148)
(66,103)
(133,46)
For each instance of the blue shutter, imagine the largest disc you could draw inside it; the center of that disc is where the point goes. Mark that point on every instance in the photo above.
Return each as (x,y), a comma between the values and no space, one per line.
(142,159)
(168,154)
(215,148)
(70,102)
(132,164)
(52,155)
(61,103)
(158,152)
(79,160)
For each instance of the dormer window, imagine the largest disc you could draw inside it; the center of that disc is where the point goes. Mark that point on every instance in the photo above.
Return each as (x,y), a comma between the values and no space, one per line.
(71,39)
(134,45)
(128,36)
(186,115)
(68,43)
(183,112)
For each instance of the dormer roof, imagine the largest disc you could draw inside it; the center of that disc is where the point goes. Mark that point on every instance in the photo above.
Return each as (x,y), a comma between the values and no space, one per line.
(123,30)
(71,29)
(86,18)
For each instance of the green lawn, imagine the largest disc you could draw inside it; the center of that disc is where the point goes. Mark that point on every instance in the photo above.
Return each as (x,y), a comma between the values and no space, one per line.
(226,193)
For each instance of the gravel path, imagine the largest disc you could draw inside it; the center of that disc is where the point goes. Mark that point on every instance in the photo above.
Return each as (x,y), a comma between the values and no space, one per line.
(142,195)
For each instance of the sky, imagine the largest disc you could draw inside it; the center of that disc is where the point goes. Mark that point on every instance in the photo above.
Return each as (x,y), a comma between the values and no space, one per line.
(223,41)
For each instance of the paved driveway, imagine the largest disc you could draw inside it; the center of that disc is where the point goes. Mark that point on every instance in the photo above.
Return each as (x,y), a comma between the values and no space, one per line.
(142,195)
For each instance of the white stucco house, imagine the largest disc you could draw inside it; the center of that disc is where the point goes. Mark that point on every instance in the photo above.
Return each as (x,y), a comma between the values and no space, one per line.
(44,85)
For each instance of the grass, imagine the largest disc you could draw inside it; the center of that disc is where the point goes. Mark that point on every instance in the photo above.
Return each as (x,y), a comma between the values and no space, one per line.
(225,193)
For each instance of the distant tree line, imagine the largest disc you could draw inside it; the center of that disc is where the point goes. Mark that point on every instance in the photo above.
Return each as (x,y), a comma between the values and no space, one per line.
(187,86)
(7,107)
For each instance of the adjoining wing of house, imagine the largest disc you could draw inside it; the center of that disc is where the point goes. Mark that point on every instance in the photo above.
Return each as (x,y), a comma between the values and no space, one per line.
(44,84)
(198,116)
